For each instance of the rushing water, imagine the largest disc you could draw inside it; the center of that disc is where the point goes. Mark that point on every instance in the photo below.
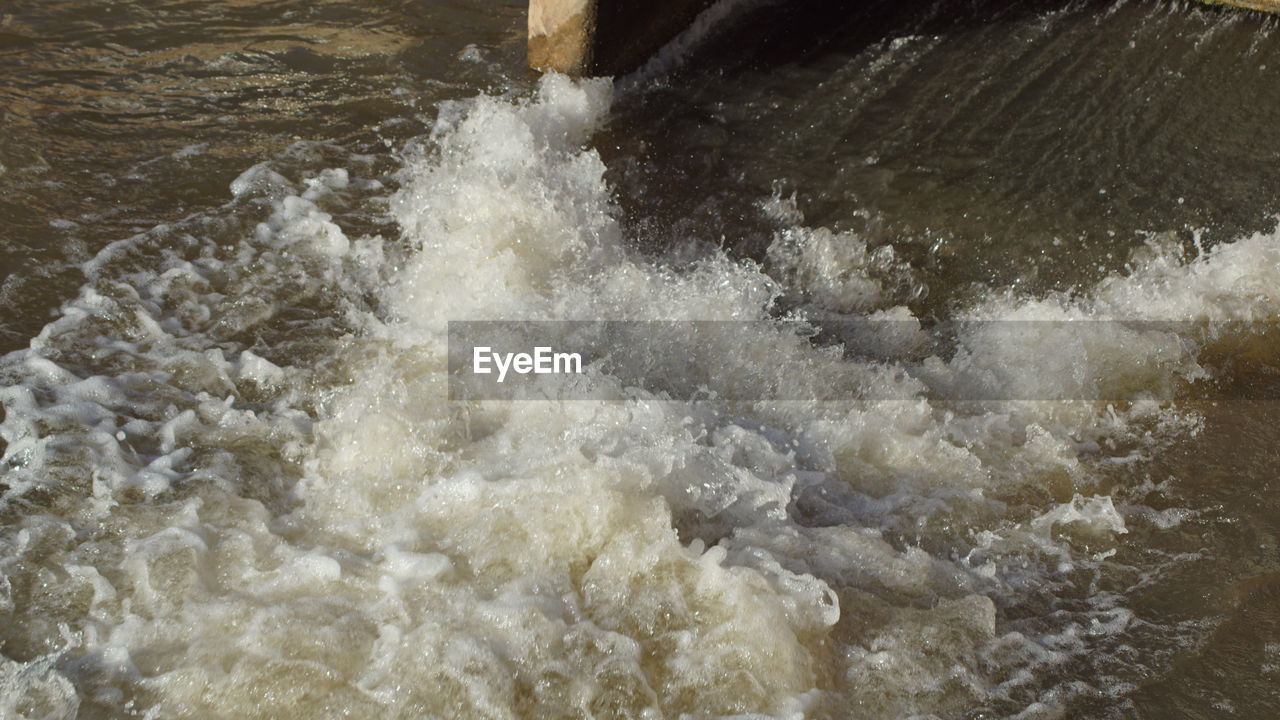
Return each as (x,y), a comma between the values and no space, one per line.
(233,233)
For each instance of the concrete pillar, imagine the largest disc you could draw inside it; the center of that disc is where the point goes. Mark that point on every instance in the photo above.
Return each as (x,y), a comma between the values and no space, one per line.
(604,37)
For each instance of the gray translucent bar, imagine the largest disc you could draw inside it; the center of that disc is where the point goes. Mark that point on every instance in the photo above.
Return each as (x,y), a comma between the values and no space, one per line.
(858,360)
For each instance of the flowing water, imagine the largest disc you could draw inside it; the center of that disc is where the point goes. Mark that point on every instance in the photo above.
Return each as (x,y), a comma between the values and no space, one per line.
(233,234)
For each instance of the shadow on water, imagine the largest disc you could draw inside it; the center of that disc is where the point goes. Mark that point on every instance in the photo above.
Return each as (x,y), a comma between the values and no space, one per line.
(773,35)
(1024,145)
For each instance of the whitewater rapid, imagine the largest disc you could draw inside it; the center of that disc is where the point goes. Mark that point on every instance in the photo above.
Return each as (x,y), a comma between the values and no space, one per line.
(235,486)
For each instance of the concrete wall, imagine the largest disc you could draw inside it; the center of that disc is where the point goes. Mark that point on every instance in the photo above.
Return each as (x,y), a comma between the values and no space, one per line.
(1267,5)
(604,37)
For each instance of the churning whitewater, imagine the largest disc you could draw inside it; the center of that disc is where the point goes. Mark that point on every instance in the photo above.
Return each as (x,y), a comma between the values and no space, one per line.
(235,486)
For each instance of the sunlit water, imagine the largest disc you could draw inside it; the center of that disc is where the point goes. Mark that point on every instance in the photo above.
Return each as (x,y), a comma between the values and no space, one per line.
(233,234)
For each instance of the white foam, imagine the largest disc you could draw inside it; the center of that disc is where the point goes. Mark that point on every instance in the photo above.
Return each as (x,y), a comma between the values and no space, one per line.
(307,527)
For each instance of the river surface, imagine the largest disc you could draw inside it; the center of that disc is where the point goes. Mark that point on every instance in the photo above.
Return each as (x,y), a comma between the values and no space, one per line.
(232,234)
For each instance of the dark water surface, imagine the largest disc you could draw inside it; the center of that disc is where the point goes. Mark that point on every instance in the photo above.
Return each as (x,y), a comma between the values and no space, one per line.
(120,116)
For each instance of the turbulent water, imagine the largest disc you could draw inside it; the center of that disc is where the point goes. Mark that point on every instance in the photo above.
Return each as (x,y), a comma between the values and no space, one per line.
(234,234)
